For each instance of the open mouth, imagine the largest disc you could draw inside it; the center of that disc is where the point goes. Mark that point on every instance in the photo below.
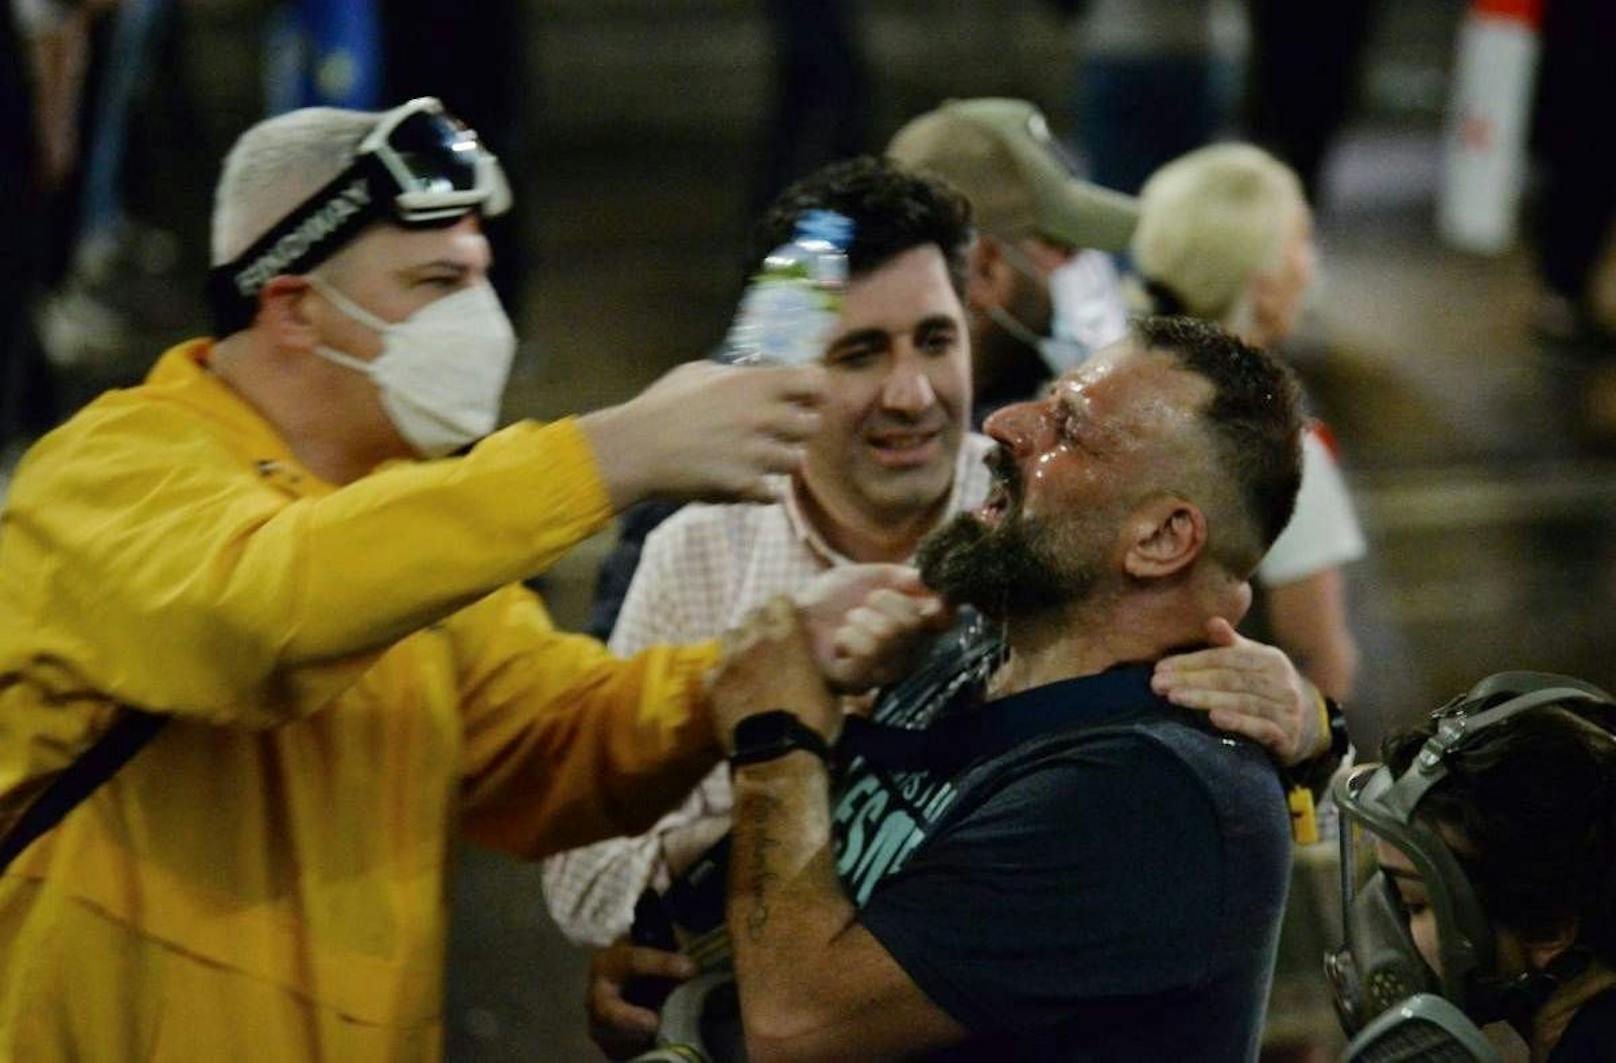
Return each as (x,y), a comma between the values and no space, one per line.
(904,449)
(993,510)
(1004,490)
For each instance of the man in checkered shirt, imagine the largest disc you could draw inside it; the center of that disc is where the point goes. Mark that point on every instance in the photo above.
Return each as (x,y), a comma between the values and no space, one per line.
(892,462)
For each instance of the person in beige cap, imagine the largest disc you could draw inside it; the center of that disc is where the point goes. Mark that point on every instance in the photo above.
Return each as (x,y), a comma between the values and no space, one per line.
(1042,291)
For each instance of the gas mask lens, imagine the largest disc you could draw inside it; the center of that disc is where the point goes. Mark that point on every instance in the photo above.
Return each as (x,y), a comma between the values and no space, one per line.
(1417,970)
(1384,990)
(1378,963)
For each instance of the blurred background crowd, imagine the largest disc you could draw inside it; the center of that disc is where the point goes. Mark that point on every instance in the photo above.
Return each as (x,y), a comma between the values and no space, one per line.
(1470,383)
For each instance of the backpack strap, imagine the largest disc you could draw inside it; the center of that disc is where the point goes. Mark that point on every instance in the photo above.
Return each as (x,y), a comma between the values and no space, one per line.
(126,737)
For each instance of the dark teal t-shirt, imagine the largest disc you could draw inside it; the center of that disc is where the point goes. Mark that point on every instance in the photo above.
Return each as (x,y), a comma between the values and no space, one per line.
(1109,888)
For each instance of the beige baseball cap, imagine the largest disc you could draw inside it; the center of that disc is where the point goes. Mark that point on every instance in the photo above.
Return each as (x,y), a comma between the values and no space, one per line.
(999,153)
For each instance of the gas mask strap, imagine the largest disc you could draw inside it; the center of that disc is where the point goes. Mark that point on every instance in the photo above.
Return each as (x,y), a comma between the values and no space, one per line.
(1455,731)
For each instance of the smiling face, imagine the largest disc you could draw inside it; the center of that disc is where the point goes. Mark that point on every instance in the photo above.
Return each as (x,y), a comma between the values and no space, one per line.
(899,393)
(1070,469)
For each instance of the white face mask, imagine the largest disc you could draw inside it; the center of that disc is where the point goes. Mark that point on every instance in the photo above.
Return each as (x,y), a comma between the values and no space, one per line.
(442,370)
(1089,310)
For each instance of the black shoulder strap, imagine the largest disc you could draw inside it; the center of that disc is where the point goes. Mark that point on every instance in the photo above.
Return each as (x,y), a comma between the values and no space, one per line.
(961,738)
(128,734)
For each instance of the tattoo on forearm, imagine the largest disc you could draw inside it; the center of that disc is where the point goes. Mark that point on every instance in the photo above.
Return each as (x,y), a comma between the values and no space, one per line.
(759,810)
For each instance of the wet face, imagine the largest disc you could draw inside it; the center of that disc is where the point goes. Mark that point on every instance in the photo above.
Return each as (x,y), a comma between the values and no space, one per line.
(1069,469)
(899,394)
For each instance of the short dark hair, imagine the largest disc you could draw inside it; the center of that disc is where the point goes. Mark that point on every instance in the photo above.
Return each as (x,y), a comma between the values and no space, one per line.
(1533,799)
(892,210)
(1254,417)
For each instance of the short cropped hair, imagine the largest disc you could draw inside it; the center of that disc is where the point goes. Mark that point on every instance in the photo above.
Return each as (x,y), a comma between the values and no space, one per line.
(1208,222)
(1532,800)
(892,210)
(1254,420)
(277,164)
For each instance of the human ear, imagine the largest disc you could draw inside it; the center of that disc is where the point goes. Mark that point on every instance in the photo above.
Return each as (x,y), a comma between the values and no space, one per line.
(1165,536)
(990,277)
(282,314)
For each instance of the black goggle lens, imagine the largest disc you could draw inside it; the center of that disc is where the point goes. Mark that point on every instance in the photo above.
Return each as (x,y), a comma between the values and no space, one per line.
(440,153)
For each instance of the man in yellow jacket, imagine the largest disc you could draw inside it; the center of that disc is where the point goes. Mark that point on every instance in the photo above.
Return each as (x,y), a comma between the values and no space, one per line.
(299,545)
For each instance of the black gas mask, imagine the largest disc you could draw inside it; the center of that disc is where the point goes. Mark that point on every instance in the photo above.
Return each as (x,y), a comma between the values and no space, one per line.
(1390,1001)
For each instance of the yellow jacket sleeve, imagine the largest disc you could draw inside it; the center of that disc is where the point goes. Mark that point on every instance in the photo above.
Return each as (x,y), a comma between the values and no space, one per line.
(564,743)
(150,561)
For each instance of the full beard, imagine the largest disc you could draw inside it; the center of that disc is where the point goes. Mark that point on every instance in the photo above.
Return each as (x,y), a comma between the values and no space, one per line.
(1016,568)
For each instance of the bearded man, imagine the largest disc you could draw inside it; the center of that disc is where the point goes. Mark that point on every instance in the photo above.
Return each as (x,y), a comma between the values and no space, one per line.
(1031,854)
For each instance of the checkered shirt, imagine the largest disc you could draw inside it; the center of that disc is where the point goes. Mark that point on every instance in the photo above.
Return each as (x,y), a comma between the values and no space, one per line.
(701,573)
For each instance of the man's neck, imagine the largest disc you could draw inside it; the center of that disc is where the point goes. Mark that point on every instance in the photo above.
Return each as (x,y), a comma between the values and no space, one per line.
(299,414)
(864,537)
(1090,637)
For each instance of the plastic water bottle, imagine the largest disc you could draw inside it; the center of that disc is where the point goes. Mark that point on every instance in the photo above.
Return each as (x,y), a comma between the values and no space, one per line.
(791,307)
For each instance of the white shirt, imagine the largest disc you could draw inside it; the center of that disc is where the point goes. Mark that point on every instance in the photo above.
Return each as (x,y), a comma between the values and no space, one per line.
(701,573)
(1323,532)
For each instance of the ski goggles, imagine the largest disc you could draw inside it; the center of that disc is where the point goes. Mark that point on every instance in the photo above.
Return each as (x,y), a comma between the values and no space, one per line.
(419,167)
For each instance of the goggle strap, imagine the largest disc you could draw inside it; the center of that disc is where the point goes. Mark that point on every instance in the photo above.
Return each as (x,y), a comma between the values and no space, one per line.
(302,240)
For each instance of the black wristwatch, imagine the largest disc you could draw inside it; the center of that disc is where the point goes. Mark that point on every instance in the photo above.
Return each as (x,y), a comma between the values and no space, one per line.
(1315,772)
(774,734)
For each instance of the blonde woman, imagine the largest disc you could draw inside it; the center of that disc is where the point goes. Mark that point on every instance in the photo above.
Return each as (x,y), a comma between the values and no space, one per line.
(1225,235)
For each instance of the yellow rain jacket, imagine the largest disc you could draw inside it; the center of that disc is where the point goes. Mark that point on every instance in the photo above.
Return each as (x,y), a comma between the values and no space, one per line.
(353,675)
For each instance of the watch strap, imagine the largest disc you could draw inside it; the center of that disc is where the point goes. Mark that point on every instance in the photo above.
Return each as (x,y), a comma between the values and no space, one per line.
(771,735)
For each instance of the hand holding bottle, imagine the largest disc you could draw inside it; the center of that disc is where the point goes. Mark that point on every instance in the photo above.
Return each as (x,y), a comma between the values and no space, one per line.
(707,431)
